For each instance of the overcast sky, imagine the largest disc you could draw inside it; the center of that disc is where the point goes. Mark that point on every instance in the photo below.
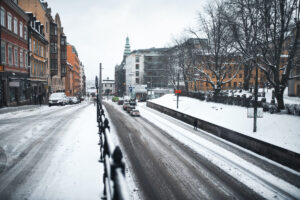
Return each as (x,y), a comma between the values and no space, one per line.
(98,28)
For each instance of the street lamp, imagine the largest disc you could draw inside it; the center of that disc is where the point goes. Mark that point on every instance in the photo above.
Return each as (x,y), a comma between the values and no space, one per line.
(178,87)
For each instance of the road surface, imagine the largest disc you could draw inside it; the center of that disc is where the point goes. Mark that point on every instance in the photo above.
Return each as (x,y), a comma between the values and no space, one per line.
(165,168)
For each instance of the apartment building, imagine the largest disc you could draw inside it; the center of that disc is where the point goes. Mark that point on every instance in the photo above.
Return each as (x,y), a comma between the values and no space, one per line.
(14,84)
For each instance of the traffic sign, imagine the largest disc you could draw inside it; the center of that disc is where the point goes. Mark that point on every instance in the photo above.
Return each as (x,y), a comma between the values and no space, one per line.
(177,91)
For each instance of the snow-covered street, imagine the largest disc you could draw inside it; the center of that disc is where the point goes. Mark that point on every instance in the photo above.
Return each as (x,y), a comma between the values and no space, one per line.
(50,153)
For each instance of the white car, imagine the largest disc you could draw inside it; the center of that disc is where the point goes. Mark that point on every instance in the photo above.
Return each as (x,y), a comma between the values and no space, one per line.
(135,112)
(58,98)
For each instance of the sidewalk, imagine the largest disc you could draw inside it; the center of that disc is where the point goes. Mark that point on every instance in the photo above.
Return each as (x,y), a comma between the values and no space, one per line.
(17,108)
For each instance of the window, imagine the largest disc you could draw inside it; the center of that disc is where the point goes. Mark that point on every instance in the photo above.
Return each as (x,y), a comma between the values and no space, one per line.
(2,17)
(10,57)
(30,45)
(137,59)
(25,32)
(241,75)
(15,25)
(137,66)
(234,84)
(137,73)
(137,80)
(42,51)
(26,60)
(3,53)
(53,47)
(47,27)
(16,56)
(229,84)
(9,18)
(33,46)
(21,29)
(21,58)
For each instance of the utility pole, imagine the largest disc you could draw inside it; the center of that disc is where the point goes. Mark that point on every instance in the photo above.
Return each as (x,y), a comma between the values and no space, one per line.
(255,100)
(100,83)
(178,88)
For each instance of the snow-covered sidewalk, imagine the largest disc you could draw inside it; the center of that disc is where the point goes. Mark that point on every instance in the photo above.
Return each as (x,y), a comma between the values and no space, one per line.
(74,171)
(279,129)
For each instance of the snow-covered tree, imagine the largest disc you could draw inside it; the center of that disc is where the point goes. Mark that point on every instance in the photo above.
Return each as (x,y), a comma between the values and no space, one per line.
(278,42)
(217,58)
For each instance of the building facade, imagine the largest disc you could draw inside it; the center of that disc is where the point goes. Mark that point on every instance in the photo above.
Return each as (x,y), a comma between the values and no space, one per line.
(58,61)
(37,59)
(14,83)
(120,82)
(69,90)
(108,87)
(72,58)
(145,67)
(82,80)
(43,14)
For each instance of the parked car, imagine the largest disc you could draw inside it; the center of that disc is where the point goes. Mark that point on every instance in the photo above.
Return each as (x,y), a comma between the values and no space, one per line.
(130,108)
(135,112)
(74,100)
(58,98)
(69,100)
(120,102)
(125,105)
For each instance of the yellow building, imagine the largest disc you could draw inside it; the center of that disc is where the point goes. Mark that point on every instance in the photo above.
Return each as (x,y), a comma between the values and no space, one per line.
(37,58)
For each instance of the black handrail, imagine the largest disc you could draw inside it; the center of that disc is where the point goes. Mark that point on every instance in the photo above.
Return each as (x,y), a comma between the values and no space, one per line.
(115,186)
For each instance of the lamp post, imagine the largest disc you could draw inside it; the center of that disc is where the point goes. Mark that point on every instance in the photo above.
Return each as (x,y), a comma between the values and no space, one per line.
(100,83)
(255,100)
(177,88)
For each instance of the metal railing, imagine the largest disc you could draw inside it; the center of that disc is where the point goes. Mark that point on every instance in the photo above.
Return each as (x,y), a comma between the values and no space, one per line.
(115,186)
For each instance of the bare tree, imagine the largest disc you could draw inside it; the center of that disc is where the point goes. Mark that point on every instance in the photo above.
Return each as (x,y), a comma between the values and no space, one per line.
(277,42)
(243,20)
(217,58)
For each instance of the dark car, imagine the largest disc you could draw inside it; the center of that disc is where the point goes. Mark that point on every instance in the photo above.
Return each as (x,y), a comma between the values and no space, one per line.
(120,102)
(125,105)
(130,108)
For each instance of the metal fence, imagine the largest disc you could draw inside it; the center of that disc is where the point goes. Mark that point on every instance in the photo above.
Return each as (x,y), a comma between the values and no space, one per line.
(115,186)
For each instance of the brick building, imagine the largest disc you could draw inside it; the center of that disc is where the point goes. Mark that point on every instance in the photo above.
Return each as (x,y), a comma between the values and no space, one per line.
(58,61)
(72,58)
(14,50)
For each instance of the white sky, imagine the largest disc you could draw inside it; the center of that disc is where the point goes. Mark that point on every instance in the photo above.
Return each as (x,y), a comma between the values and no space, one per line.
(98,28)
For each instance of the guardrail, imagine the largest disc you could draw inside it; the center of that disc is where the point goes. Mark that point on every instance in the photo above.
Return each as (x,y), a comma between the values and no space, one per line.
(115,187)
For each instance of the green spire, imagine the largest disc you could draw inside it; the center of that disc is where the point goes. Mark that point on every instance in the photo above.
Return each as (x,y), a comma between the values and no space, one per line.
(127,47)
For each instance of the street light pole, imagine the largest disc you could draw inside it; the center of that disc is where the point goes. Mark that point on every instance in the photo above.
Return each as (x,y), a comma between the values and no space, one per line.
(100,83)
(178,88)
(255,100)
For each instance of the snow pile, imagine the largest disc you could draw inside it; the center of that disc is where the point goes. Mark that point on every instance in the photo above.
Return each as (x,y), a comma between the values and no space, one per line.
(279,129)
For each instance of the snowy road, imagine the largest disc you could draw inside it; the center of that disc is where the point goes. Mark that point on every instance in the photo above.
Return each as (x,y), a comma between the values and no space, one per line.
(50,153)
(172,161)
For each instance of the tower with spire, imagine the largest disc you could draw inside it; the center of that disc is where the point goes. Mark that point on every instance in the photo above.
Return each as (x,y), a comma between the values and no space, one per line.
(127,48)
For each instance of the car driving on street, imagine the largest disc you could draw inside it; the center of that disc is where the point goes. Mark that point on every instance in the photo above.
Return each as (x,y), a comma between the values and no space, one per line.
(58,98)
